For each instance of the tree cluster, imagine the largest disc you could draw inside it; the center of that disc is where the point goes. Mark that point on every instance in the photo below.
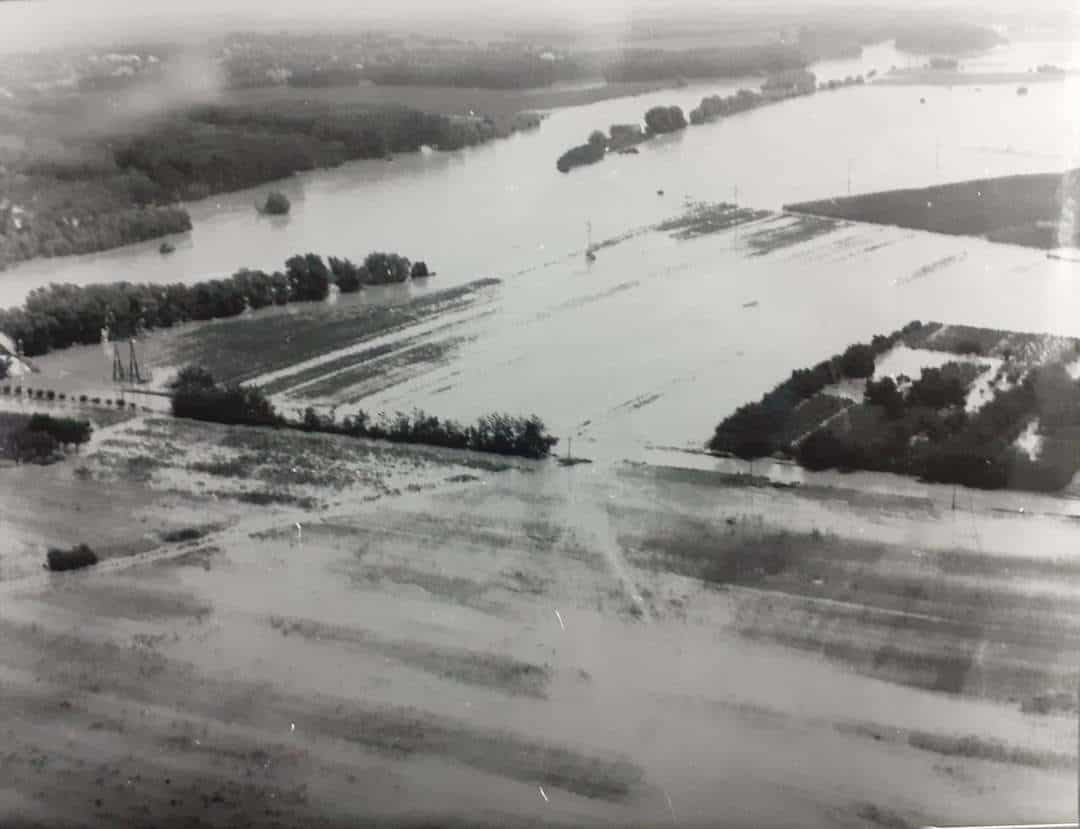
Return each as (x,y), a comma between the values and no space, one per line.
(41,438)
(757,429)
(929,434)
(276,204)
(588,153)
(500,434)
(196,395)
(661,119)
(62,315)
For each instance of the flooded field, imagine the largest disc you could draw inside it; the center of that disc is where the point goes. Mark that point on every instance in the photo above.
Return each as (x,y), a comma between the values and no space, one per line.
(649,346)
(606,645)
(298,629)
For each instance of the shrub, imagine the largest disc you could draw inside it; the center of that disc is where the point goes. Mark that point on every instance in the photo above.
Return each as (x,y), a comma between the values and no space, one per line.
(82,398)
(579,156)
(50,395)
(64,430)
(195,377)
(184,534)
(598,139)
(232,404)
(76,558)
(420,270)
(276,204)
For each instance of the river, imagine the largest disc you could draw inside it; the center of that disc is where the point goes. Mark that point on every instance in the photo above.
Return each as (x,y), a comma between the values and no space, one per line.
(503,206)
(651,344)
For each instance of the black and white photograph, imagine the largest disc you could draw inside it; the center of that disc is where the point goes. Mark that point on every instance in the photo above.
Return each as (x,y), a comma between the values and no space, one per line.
(587,414)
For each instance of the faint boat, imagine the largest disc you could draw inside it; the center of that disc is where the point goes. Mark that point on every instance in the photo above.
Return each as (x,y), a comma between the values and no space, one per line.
(166,247)
(1023,90)
(751,304)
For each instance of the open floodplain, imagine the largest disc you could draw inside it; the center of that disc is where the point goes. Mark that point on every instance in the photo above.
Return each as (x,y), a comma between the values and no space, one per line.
(292,629)
(521,644)
(656,638)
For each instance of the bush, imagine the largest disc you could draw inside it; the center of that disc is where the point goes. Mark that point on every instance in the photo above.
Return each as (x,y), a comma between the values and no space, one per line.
(64,430)
(193,377)
(76,558)
(232,404)
(580,156)
(420,270)
(50,395)
(184,534)
(83,398)
(276,204)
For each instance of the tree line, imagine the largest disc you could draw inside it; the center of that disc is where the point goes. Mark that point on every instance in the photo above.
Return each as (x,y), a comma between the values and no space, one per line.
(920,427)
(40,438)
(759,429)
(196,395)
(59,316)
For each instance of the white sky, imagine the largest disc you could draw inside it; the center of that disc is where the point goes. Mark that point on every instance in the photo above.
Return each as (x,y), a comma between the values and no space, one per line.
(29,24)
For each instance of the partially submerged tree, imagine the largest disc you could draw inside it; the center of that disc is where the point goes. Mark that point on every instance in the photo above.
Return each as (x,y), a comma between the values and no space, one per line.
(276,204)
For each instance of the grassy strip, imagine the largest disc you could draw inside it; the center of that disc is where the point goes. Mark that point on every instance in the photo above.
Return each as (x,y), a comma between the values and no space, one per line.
(243,349)
(1019,209)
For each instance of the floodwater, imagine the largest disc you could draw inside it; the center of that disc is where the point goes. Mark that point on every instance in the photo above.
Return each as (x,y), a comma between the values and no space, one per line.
(503,207)
(658,339)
